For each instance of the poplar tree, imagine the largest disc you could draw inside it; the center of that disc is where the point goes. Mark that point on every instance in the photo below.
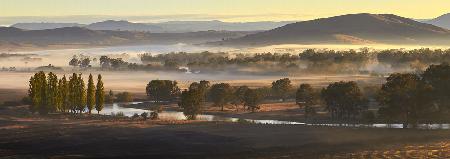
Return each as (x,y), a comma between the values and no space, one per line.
(99,95)
(63,89)
(81,90)
(52,92)
(72,95)
(33,93)
(43,100)
(90,94)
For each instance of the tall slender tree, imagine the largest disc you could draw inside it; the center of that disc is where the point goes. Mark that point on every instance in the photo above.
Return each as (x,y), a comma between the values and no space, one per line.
(52,92)
(90,94)
(99,94)
(63,88)
(42,84)
(73,95)
(81,90)
(34,93)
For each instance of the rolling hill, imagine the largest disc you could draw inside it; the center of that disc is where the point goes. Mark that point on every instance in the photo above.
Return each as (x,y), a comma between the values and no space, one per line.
(76,37)
(349,29)
(441,21)
(124,26)
(162,27)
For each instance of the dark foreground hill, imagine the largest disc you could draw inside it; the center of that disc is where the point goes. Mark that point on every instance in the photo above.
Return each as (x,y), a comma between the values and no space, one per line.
(349,29)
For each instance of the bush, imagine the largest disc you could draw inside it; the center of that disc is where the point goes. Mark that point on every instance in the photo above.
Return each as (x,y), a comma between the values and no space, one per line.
(124,97)
(135,115)
(154,116)
(144,115)
(118,114)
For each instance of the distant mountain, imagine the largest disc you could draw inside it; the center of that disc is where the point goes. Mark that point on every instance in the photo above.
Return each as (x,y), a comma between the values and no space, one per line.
(42,26)
(164,27)
(193,26)
(124,26)
(77,37)
(349,29)
(441,21)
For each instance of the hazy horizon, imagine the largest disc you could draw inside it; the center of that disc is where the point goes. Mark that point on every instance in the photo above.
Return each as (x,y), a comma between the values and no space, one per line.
(82,11)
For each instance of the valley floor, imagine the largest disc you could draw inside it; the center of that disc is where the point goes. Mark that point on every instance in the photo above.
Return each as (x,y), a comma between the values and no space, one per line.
(66,136)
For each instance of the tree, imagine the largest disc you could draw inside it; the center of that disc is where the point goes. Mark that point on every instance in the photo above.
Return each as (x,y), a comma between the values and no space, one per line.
(405,98)
(344,99)
(191,101)
(81,90)
(162,90)
(52,93)
(63,89)
(73,93)
(42,83)
(438,77)
(220,94)
(74,62)
(99,95)
(85,62)
(252,99)
(305,98)
(34,93)
(124,97)
(90,94)
(109,98)
(239,96)
(281,88)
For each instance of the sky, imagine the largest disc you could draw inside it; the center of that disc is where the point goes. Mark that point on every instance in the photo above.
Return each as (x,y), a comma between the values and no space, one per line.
(225,10)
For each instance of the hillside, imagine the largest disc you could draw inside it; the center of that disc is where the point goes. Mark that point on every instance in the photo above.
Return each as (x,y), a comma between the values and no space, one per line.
(441,21)
(348,29)
(124,26)
(162,27)
(76,37)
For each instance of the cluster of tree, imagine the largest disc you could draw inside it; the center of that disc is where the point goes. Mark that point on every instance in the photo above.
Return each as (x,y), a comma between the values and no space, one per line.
(114,63)
(49,94)
(81,61)
(162,90)
(344,100)
(220,94)
(412,98)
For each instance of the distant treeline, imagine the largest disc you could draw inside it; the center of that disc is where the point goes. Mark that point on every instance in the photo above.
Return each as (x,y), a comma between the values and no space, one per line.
(308,61)
(324,61)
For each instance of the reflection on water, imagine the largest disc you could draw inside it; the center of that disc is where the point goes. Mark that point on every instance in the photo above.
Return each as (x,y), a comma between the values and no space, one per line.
(174,115)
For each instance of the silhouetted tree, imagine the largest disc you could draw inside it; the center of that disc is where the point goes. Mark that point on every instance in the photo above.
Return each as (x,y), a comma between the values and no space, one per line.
(220,94)
(162,90)
(405,98)
(281,88)
(344,99)
(90,94)
(305,98)
(100,95)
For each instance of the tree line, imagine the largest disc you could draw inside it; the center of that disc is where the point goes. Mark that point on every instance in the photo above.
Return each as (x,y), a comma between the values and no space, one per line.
(408,98)
(49,94)
(308,61)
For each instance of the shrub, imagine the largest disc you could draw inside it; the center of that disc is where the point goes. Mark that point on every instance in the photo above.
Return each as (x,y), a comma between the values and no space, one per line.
(144,115)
